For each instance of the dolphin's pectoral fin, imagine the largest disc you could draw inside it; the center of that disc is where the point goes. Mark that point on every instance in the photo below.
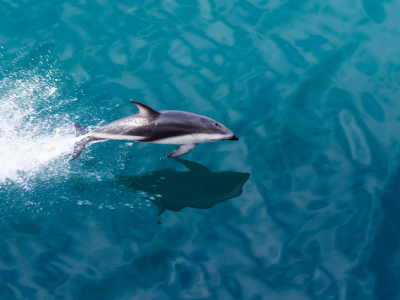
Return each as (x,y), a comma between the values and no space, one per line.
(144,110)
(183,149)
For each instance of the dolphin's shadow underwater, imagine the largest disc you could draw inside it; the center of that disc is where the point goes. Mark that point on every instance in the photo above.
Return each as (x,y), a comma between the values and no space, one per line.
(199,187)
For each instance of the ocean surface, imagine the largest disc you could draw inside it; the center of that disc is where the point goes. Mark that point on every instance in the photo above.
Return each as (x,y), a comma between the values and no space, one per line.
(306,205)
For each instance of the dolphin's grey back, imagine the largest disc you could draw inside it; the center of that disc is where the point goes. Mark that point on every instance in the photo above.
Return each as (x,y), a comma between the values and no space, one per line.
(169,123)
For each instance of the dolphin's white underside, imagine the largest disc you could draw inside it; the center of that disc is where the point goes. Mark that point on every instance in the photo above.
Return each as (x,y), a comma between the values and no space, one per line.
(197,138)
(108,136)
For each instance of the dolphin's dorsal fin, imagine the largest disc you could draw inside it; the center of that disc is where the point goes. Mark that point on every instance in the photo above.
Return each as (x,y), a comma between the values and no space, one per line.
(79,130)
(144,110)
(192,166)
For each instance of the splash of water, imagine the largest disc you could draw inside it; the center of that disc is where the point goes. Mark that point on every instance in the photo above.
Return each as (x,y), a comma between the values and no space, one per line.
(31,134)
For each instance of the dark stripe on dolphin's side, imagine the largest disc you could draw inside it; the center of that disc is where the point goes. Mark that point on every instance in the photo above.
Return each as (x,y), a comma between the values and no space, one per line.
(168,124)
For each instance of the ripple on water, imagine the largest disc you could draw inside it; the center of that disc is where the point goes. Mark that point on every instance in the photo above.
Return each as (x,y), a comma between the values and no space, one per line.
(310,87)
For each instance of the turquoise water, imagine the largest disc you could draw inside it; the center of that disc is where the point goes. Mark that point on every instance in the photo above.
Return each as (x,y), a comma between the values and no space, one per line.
(304,206)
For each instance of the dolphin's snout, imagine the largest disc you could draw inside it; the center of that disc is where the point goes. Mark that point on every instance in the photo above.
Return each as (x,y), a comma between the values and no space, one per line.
(233,138)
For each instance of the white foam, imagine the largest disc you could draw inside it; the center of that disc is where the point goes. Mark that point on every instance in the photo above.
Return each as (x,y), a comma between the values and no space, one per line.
(32,132)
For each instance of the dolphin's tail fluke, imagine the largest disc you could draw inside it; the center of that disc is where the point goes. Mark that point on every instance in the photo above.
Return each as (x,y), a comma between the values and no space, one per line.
(79,145)
(79,130)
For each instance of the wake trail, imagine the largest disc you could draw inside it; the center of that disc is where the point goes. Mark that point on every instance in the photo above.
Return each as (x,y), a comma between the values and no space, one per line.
(32,131)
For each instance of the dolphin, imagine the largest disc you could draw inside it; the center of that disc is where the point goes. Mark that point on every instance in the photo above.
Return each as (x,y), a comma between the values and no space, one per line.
(160,127)
(199,187)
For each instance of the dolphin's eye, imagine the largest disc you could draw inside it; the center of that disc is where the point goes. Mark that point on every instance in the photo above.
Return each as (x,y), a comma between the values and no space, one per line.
(216,124)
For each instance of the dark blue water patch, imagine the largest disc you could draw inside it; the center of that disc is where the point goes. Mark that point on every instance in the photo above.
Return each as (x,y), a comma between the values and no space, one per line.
(322,165)
(355,291)
(6,256)
(11,277)
(368,66)
(86,289)
(56,240)
(316,80)
(291,53)
(387,286)
(26,227)
(234,287)
(372,106)
(7,293)
(49,277)
(283,182)
(200,255)
(317,204)
(374,9)
(351,236)
(312,44)
(185,275)
(358,183)
(150,269)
